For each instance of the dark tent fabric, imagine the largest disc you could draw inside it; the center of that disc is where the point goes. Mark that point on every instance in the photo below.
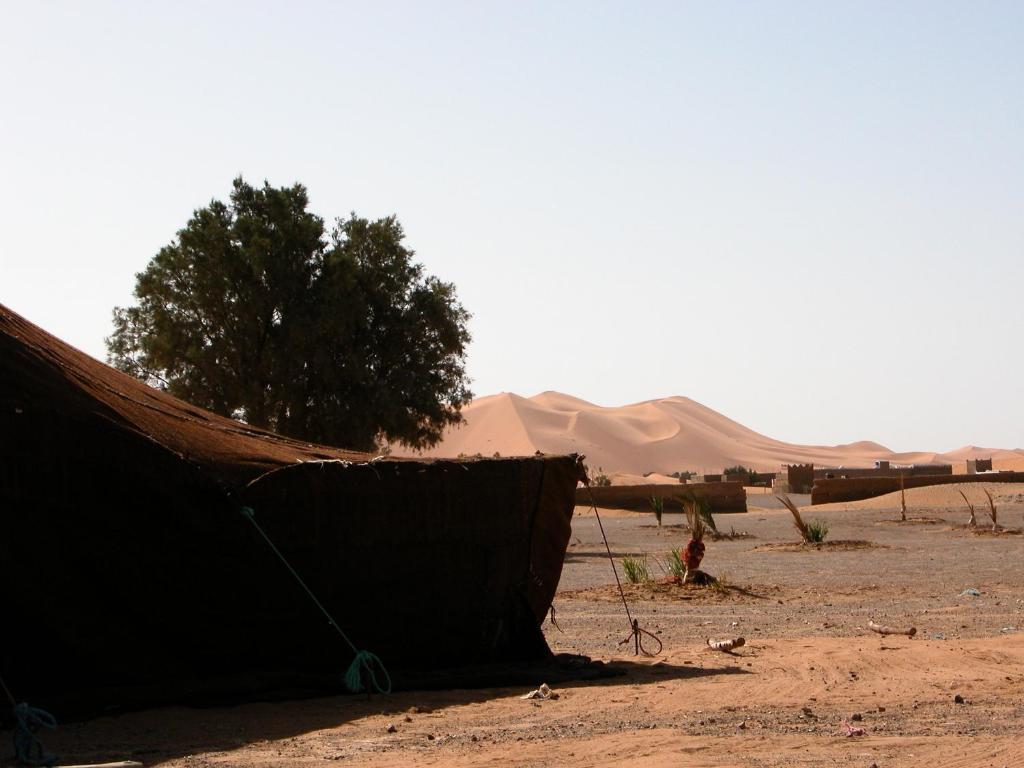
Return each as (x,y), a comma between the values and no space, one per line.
(129,575)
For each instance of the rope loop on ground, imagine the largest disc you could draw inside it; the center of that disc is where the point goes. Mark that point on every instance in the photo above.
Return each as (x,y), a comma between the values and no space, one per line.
(365,660)
(637,636)
(28,750)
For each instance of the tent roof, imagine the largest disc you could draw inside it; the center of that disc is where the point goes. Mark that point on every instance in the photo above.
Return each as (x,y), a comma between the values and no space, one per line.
(41,372)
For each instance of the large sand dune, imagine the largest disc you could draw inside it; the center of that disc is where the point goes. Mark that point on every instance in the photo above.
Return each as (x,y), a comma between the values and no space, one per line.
(666,435)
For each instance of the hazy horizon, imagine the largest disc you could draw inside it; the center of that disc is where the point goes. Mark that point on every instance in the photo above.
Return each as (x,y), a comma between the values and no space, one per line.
(807,217)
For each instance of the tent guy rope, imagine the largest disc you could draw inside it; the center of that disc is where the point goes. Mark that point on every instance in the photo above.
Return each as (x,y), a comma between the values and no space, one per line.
(28,720)
(636,632)
(364,661)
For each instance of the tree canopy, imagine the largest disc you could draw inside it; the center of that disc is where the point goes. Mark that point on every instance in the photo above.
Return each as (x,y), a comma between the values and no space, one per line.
(257,312)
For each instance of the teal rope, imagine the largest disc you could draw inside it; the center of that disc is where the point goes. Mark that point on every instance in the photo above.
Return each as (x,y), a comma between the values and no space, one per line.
(364,660)
(354,675)
(28,750)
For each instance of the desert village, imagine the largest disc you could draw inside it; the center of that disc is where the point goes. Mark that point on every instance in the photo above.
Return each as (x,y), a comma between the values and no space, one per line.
(543,385)
(851,615)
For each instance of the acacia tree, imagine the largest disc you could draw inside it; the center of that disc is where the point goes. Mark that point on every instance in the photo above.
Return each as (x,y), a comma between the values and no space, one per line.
(257,312)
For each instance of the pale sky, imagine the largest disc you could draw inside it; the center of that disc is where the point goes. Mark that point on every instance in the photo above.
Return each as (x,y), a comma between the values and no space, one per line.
(806,215)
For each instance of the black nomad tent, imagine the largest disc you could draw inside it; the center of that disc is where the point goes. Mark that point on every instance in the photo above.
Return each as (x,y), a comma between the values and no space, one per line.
(130,574)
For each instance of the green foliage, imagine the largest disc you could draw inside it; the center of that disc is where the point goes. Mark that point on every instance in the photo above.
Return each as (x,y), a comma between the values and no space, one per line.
(817,530)
(600,479)
(813,532)
(257,312)
(675,565)
(636,569)
(658,505)
(739,469)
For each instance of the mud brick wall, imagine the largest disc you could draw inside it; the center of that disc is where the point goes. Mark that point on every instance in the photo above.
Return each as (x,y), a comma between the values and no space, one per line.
(857,488)
(751,478)
(839,473)
(800,477)
(928,470)
(722,497)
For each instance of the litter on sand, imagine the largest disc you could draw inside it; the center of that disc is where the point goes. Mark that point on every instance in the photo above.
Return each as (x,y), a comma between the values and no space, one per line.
(544,692)
(726,645)
(853,730)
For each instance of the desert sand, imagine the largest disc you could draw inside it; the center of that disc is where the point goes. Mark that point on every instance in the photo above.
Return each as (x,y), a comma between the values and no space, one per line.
(808,666)
(666,435)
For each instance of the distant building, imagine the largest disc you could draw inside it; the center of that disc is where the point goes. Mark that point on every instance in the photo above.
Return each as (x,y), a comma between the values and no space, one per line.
(798,478)
(974,466)
(883,468)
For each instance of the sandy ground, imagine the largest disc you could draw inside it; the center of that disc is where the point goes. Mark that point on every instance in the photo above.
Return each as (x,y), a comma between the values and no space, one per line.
(809,664)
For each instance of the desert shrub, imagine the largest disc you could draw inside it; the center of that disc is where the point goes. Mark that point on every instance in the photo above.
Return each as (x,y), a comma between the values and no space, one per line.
(636,569)
(992,511)
(658,505)
(813,532)
(817,530)
(675,565)
(974,519)
(600,479)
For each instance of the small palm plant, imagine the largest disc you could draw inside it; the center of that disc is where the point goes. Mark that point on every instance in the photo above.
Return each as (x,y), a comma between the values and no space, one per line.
(813,532)
(676,568)
(973,522)
(658,505)
(698,519)
(636,569)
(817,530)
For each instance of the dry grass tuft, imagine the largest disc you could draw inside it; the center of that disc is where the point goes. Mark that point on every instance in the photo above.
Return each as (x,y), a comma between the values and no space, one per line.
(636,569)
(694,520)
(973,522)
(798,521)
(992,511)
(903,500)
(676,567)
(699,519)
(813,532)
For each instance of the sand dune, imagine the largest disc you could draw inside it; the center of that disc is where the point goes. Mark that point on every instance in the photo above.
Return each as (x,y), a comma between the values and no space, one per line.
(662,436)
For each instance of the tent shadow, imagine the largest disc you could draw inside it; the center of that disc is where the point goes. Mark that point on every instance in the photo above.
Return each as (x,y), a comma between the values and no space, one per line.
(642,673)
(157,735)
